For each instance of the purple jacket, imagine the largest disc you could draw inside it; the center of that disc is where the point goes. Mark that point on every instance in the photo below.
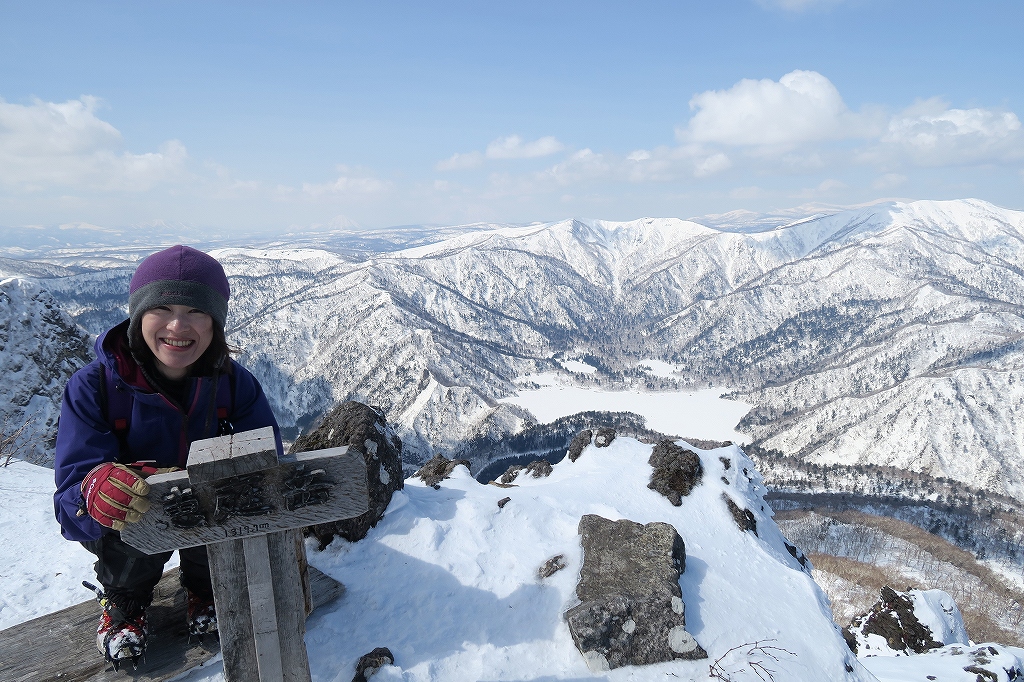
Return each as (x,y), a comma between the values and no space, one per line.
(159,431)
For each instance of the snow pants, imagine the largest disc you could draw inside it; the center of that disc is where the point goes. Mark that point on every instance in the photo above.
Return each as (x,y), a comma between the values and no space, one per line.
(122,569)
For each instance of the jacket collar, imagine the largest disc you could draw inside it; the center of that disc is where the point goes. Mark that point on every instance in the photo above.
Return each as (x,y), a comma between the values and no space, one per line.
(113,351)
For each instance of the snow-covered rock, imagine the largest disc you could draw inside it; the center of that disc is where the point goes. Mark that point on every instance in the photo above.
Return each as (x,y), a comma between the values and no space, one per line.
(40,348)
(472,606)
(912,622)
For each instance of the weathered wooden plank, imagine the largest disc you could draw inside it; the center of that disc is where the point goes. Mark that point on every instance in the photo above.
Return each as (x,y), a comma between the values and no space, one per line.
(243,453)
(323,589)
(346,498)
(260,582)
(234,616)
(287,561)
(300,552)
(62,645)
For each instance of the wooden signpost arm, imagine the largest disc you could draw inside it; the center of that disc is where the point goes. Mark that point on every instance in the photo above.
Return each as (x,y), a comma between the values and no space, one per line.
(246,504)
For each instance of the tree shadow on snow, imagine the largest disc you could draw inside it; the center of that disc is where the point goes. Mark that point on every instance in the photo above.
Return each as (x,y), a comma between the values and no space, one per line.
(422,612)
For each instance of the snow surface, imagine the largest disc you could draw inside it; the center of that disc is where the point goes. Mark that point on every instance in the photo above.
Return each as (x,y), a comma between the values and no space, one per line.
(660,368)
(947,664)
(577,366)
(701,414)
(41,572)
(937,611)
(448,580)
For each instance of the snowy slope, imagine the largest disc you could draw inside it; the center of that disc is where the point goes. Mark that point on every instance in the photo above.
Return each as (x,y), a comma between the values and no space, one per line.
(448,580)
(41,572)
(473,567)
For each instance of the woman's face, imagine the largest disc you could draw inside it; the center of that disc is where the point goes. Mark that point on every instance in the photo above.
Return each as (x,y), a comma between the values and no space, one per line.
(178,336)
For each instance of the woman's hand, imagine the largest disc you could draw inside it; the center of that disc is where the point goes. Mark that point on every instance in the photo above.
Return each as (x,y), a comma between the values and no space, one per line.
(115,495)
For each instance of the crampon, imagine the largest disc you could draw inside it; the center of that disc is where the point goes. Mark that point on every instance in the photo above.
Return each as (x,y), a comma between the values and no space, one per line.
(122,631)
(202,616)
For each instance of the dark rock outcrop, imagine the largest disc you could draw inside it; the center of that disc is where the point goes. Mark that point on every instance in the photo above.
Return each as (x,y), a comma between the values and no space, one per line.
(631,610)
(540,468)
(893,619)
(676,471)
(604,437)
(579,442)
(438,469)
(551,566)
(510,474)
(363,429)
(744,518)
(370,663)
(797,554)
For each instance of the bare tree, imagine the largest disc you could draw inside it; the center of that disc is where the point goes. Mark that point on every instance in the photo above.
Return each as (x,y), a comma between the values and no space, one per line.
(13,439)
(755,659)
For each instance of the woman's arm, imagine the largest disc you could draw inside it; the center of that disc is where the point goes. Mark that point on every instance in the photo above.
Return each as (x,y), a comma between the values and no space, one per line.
(84,440)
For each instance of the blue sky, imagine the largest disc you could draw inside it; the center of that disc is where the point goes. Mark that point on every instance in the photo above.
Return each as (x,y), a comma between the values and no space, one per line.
(307,115)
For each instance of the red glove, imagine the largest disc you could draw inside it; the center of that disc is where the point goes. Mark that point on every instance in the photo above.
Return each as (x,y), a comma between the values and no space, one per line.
(114,494)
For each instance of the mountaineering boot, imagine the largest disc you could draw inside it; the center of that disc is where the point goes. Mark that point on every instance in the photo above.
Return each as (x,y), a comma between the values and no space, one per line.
(201,615)
(123,629)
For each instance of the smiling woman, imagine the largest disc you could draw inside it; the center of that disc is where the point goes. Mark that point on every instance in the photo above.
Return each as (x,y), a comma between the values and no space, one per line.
(163,379)
(177,336)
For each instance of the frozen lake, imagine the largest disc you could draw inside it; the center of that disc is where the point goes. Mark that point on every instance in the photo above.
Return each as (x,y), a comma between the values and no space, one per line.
(701,414)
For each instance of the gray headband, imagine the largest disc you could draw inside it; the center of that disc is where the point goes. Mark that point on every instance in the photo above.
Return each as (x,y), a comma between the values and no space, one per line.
(175,292)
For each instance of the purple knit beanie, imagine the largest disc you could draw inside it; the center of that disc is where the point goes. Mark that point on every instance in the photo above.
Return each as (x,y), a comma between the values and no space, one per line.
(179,275)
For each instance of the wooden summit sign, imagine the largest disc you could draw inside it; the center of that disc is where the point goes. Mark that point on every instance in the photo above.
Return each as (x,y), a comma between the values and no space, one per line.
(240,500)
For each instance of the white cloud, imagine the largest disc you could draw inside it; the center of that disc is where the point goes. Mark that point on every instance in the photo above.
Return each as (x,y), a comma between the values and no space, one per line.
(671,164)
(86,226)
(711,165)
(829,186)
(351,182)
(750,192)
(931,133)
(580,166)
(47,144)
(801,125)
(461,161)
(889,181)
(513,147)
(801,107)
(509,147)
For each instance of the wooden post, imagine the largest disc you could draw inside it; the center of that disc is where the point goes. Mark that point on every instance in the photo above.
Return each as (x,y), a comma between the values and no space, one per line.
(245,504)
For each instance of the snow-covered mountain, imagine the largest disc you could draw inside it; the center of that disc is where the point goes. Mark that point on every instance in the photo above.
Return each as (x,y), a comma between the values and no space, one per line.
(40,348)
(890,334)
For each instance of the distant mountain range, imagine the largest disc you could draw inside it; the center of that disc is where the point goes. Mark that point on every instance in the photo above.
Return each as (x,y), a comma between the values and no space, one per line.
(887,335)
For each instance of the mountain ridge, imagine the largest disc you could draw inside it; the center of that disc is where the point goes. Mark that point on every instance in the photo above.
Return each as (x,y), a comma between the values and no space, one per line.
(844,329)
